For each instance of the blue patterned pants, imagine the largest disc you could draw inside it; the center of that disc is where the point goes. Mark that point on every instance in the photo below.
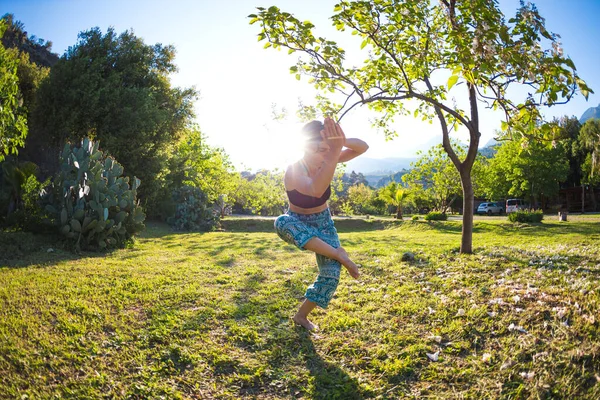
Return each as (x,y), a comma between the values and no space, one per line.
(298,229)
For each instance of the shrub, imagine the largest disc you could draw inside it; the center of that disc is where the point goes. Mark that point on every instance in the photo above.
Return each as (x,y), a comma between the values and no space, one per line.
(436,216)
(368,209)
(91,203)
(30,216)
(193,213)
(415,218)
(526,216)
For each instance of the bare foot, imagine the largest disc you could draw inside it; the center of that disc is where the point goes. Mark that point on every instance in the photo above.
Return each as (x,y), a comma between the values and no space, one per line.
(348,263)
(305,323)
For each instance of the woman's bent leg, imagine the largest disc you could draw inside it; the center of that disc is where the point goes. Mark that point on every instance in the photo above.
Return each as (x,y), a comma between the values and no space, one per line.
(339,254)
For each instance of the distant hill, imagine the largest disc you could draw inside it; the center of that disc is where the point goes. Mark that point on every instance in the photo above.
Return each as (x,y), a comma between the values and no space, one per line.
(379,166)
(592,112)
(397,177)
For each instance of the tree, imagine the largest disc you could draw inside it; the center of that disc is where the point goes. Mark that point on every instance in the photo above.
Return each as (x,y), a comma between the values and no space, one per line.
(197,164)
(261,193)
(359,195)
(589,141)
(569,136)
(531,169)
(394,194)
(413,47)
(13,116)
(116,89)
(435,173)
(34,61)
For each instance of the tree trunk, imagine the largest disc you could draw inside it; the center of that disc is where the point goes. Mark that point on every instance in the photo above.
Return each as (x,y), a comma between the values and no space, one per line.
(594,205)
(399,212)
(582,198)
(466,244)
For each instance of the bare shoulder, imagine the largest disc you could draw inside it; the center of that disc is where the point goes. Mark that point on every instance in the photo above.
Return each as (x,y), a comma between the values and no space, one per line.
(291,176)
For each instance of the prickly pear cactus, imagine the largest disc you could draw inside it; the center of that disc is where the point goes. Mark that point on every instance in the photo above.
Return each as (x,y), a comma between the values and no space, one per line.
(194,212)
(93,204)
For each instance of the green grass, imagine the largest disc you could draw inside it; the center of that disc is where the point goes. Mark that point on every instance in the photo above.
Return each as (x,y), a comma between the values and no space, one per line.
(208,315)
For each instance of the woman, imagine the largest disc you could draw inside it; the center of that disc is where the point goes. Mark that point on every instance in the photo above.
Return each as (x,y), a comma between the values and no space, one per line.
(308,224)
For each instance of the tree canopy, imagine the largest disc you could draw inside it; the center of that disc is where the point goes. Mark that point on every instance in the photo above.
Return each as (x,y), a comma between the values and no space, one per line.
(13,116)
(116,89)
(420,50)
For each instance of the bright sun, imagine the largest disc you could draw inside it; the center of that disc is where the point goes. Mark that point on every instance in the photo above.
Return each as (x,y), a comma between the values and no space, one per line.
(276,145)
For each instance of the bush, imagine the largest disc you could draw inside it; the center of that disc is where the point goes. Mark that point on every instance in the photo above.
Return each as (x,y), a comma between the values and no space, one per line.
(30,216)
(89,201)
(193,213)
(436,216)
(368,209)
(526,216)
(415,218)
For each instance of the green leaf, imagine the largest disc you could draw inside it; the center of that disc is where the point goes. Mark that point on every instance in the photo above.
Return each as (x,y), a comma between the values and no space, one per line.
(364,43)
(297,77)
(452,81)
(585,93)
(570,63)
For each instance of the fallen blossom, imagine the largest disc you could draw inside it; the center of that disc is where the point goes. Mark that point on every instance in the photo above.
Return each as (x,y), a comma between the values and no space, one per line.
(433,356)
(436,338)
(527,375)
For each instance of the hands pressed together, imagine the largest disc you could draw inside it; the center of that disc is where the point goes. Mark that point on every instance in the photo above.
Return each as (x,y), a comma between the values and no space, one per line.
(334,136)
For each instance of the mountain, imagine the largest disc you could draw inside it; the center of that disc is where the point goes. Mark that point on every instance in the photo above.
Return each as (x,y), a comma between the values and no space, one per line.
(490,143)
(592,112)
(379,166)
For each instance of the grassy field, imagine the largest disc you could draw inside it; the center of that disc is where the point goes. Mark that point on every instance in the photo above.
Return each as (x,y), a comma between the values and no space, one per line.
(208,315)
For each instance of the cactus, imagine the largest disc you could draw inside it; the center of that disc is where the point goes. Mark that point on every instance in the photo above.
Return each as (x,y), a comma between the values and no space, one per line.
(193,212)
(93,205)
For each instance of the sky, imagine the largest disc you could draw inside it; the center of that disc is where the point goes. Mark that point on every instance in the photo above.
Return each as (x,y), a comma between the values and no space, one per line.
(239,82)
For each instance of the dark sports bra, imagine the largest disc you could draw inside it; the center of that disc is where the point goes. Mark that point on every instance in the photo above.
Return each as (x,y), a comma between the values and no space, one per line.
(305,201)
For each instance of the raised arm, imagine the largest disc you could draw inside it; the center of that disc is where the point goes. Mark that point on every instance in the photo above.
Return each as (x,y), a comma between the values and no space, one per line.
(315,186)
(354,148)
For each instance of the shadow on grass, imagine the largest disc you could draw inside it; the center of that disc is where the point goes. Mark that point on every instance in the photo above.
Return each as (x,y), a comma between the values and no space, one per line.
(267,309)
(24,249)
(330,381)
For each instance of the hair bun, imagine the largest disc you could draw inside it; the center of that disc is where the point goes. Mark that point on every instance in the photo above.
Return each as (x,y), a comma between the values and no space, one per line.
(312,130)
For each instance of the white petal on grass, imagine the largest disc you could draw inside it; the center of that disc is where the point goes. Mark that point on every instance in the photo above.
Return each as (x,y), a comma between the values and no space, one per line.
(486,357)
(513,327)
(435,338)
(507,364)
(527,375)
(460,312)
(433,357)
(516,298)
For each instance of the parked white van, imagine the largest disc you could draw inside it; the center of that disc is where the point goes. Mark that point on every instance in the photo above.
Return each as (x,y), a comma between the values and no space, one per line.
(513,205)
